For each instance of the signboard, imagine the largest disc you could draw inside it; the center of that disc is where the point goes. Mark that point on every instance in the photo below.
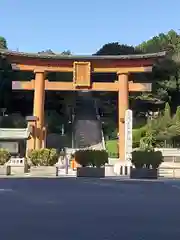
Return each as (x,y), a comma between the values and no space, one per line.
(128,134)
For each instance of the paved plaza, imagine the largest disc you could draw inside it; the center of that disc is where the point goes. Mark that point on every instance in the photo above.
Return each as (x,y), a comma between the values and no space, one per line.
(87,209)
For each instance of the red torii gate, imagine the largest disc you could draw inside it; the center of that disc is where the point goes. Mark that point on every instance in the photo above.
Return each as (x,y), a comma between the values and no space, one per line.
(82,67)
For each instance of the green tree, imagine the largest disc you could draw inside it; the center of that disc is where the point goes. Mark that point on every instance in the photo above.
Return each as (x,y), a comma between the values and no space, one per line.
(167,115)
(3,43)
(169,42)
(177,115)
(116,48)
(5,78)
(176,122)
(50,52)
(67,52)
(166,72)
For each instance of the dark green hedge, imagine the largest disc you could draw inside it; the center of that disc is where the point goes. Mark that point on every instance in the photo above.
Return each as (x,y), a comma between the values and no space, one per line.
(94,158)
(147,159)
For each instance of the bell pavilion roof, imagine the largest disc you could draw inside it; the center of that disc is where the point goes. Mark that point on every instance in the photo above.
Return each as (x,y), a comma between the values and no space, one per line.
(14,133)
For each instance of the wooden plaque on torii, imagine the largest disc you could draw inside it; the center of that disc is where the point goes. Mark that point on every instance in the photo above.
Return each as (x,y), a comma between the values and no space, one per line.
(82,74)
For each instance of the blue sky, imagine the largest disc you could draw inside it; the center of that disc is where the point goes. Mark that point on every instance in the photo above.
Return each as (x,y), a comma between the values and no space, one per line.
(83,26)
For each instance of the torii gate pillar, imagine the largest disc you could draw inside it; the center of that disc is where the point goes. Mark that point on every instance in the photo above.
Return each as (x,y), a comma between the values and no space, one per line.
(38,109)
(123,105)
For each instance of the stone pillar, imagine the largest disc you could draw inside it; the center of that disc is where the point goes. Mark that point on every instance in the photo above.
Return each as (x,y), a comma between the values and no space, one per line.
(44,137)
(38,109)
(123,105)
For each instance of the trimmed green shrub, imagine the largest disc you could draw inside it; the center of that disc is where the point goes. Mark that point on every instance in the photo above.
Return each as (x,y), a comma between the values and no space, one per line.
(94,158)
(43,157)
(146,159)
(4,156)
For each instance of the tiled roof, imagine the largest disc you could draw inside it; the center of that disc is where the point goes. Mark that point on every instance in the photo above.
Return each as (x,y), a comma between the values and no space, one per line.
(81,57)
(14,133)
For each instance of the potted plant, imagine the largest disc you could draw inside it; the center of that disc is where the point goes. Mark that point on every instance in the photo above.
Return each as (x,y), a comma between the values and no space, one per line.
(91,163)
(146,161)
(4,158)
(43,161)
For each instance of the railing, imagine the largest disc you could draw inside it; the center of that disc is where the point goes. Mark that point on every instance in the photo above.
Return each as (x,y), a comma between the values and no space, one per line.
(169,152)
(169,172)
(170,168)
(163,172)
(16,161)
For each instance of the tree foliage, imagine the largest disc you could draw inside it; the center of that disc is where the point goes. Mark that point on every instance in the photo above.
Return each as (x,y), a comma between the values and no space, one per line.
(169,42)
(3,43)
(67,52)
(165,127)
(116,48)
(50,52)
(5,83)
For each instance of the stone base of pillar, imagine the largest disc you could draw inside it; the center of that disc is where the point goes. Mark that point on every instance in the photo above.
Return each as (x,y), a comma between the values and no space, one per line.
(119,168)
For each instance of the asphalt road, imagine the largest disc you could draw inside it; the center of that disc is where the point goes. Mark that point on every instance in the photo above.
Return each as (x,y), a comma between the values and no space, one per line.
(70,209)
